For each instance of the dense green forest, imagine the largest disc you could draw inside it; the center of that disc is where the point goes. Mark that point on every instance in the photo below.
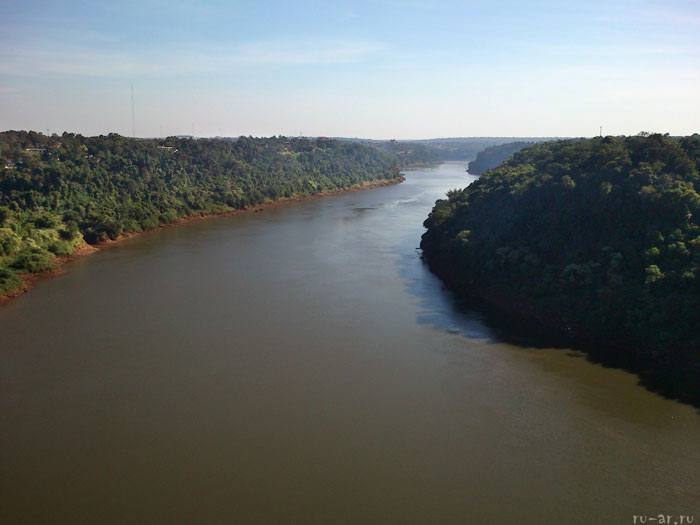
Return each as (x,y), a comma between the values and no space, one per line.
(56,191)
(600,238)
(492,156)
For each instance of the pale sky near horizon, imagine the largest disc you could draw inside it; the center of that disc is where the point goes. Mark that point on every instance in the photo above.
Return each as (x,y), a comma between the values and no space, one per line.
(382,69)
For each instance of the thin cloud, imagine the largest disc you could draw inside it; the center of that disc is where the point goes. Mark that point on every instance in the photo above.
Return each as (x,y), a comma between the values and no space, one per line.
(75,61)
(678,14)
(612,50)
(290,54)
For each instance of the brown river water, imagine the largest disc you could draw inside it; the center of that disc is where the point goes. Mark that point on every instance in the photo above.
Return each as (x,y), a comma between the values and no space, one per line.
(302,365)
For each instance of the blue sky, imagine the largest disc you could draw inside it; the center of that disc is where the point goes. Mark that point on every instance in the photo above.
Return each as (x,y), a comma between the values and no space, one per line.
(383,69)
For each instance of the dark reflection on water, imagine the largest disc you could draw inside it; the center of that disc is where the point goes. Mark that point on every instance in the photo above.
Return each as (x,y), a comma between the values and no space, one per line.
(438,306)
(471,317)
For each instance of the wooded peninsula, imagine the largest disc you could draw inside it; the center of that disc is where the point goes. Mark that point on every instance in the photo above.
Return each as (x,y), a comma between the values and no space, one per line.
(599,238)
(492,156)
(58,192)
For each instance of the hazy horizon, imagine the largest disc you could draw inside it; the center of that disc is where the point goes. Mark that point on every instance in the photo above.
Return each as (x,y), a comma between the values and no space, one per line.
(380,139)
(373,70)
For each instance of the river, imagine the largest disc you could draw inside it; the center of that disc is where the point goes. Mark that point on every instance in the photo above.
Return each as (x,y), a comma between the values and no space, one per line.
(301,365)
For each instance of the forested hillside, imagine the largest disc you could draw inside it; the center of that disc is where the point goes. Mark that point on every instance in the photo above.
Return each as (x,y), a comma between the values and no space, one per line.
(600,238)
(492,156)
(55,191)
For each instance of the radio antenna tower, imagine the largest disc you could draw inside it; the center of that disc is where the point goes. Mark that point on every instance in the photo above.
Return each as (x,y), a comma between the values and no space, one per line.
(601,131)
(133,122)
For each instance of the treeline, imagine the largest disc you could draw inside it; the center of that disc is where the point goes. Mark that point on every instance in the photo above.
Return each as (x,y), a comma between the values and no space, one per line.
(56,191)
(492,156)
(600,238)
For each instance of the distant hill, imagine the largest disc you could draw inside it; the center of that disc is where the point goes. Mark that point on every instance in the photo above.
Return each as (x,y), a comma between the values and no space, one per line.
(467,148)
(492,156)
(408,154)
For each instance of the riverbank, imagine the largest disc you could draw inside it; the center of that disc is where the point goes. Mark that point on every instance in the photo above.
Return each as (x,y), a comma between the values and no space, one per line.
(29,279)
